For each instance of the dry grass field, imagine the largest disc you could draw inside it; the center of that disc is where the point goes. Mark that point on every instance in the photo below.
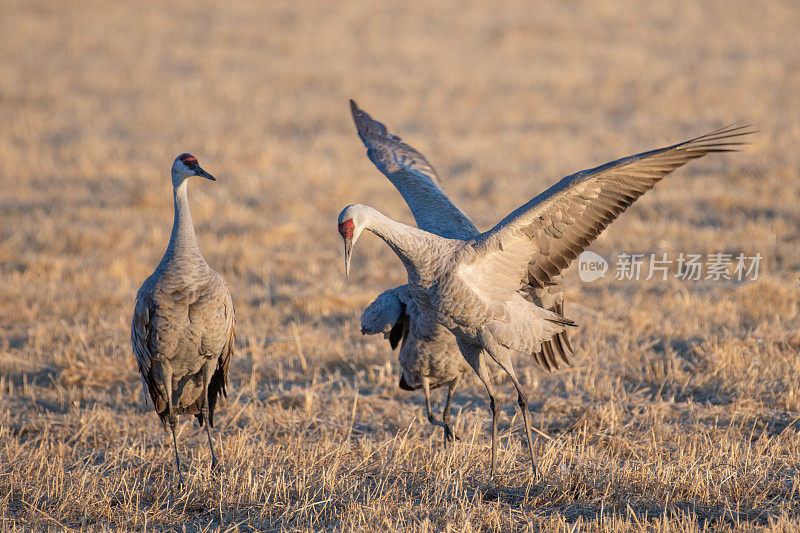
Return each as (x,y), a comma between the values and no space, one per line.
(681,409)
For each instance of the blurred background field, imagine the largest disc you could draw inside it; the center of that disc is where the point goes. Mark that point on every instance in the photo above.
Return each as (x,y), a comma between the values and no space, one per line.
(680,411)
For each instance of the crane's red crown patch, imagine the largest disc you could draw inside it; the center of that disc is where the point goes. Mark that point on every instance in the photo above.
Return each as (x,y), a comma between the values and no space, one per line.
(346,228)
(188,160)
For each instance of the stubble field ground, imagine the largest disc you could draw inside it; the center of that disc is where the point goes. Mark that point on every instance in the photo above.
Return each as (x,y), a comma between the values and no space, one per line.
(680,411)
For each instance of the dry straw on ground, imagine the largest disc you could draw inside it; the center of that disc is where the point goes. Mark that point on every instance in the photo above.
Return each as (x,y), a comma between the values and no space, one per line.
(680,412)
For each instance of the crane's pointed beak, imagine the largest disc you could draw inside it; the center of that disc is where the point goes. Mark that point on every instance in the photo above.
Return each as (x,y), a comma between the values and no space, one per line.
(348,253)
(203,174)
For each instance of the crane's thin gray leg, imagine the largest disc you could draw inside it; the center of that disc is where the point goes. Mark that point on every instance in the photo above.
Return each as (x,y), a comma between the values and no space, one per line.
(486,378)
(172,423)
(522,400)
(207,374)
(214,463)
(166,392)
(426,388)
(472,354)
(502,356)
(449,435)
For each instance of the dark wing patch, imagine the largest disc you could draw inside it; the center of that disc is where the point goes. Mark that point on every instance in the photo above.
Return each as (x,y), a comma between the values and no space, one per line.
(399,331)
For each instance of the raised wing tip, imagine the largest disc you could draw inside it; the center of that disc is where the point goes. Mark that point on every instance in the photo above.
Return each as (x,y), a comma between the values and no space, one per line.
(369,129)
(359,117)
(740,125)
(726,139)
(740,128)
(736,129)
(362,121)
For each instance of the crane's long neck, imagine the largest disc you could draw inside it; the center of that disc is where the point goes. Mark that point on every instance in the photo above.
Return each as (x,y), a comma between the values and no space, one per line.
(417,249)
(182,241)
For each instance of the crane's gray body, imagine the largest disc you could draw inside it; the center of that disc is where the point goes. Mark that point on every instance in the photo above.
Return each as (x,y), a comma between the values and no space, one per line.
(183,317)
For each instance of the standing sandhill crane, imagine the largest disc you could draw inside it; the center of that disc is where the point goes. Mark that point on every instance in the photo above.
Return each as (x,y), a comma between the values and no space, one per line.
(183,323)
(429,355)
(477,287)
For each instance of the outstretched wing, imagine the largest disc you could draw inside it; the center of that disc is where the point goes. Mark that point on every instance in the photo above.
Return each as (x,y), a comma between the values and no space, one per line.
(532,246)
(414,178)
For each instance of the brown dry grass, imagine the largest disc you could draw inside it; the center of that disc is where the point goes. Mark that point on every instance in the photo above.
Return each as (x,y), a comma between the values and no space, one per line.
(678,412)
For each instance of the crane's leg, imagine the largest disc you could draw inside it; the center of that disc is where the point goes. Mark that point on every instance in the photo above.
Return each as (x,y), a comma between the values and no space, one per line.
(502,357)
(426,388)
(208,372)
(486,378)
(472,354)
(522,400)
(173,421)
(449,435)
(166,392)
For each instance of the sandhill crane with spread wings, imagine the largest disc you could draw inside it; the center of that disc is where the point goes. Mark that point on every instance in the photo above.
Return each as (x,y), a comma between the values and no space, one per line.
(479,287)
(183,323)
(429,355)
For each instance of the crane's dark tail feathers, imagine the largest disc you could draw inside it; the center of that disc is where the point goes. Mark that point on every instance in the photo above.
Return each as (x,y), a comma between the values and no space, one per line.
(403,384)
(159,403)
(555,352)
(558,350)
(216,387)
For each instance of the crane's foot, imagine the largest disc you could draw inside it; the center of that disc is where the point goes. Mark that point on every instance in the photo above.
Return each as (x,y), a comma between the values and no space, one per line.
(450,436)
(180,488)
